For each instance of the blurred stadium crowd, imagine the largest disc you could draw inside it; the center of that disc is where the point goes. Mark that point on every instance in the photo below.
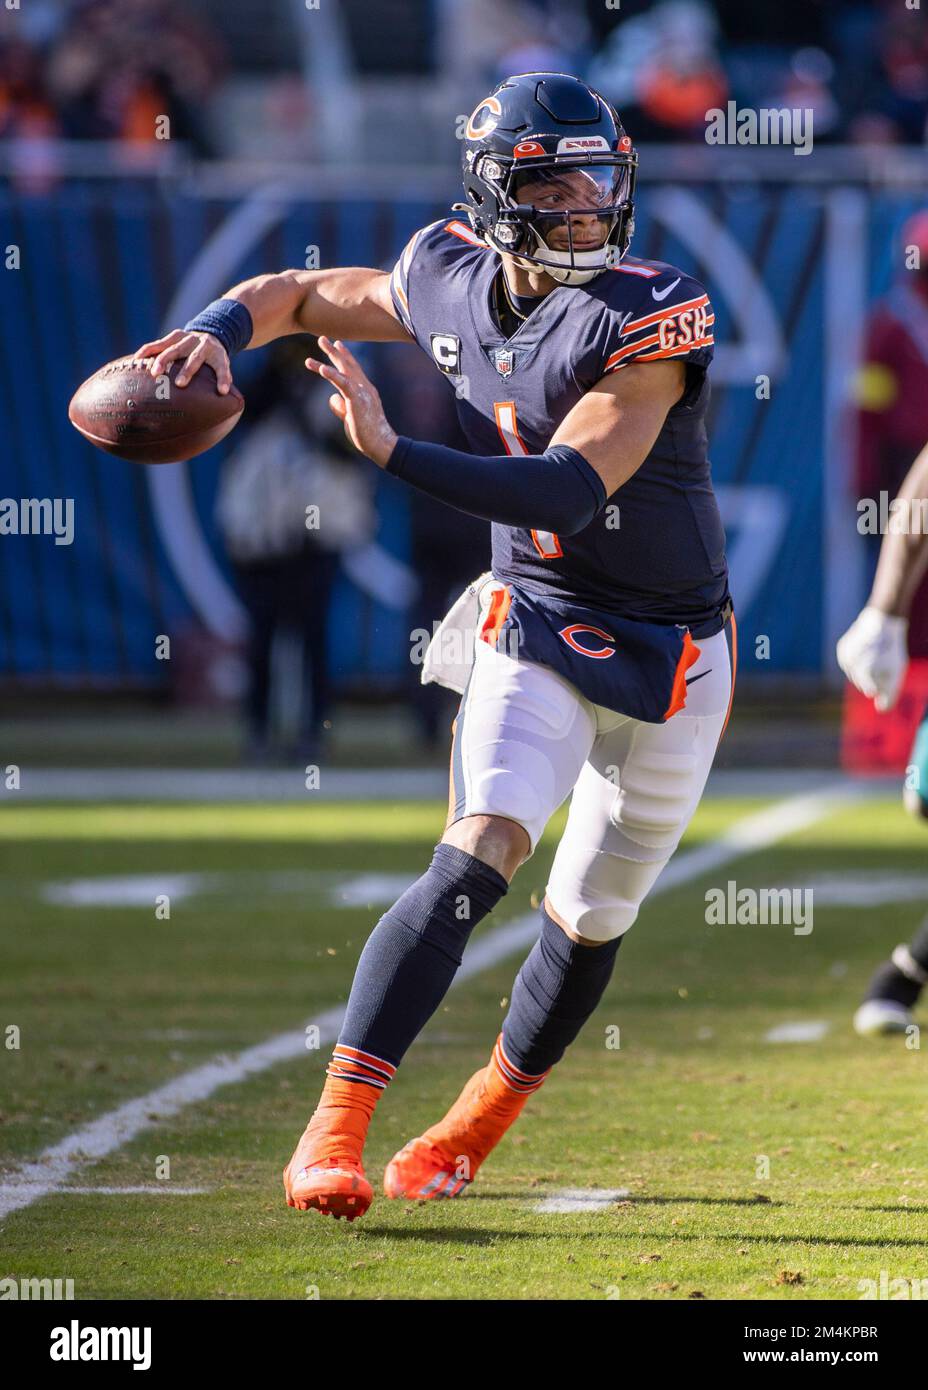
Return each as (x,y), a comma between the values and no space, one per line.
(102,69)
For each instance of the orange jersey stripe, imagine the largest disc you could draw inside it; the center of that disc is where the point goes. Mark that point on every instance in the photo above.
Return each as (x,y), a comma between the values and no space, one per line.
(400,293)
(458,229)
(352,1054)
(669,312)
(497,614)
(632,347)
(689,655)
(677,351)
(649,341)
(667,352)
(635,270)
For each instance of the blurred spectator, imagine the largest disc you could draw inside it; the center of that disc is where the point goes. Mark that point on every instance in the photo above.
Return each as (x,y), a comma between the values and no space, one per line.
(891,391)
(543,36)
(862,67)
(900,92)
(806,86)
(663,70)
(25,104)
(119,64)
(106,69)
(294,456)
(28,118)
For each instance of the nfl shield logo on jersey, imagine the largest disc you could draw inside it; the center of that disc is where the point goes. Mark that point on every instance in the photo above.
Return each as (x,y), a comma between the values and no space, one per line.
(504,358)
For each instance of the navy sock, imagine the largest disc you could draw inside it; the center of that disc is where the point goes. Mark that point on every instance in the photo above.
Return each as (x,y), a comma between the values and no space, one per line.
(902,978)
(557,989)
(918,950)
(889,982)
(413,953)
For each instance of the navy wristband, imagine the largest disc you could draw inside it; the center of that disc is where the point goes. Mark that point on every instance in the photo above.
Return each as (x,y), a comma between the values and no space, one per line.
(228,320)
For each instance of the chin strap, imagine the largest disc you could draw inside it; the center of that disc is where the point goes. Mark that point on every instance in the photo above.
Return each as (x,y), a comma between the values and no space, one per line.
(563,274)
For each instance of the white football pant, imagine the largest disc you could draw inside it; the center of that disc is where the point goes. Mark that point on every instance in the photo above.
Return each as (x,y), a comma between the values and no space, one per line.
(525,738)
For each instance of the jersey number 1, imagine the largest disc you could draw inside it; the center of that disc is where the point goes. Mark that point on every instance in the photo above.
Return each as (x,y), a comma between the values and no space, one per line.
(546,542)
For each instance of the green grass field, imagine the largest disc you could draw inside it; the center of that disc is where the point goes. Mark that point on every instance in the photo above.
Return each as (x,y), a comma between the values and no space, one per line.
(113,1001)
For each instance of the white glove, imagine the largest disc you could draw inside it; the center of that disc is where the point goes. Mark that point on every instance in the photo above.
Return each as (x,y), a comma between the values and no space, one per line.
(874,656)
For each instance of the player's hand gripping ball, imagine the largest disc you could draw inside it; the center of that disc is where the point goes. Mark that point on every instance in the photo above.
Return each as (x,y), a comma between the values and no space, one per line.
(173,399)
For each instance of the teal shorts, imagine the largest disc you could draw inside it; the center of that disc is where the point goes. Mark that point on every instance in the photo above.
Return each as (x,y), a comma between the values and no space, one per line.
(917,771)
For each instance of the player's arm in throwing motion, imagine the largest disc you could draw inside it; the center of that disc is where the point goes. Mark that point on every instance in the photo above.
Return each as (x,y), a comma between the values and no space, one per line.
(597,447)
(353,303)
(873,652)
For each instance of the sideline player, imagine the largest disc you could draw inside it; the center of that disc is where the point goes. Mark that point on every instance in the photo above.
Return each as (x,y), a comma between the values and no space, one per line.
(580,374)
(874,656)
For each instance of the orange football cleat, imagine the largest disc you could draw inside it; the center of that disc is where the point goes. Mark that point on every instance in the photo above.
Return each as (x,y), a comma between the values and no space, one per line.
(443,1161)
(333,1189)
(422,1170)
(325,1173)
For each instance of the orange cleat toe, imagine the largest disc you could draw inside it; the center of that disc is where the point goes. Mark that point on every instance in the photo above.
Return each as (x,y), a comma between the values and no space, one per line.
(422,1171)
(332,1189)
(443,1161)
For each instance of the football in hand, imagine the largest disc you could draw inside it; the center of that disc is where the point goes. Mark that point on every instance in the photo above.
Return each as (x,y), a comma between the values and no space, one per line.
(123,409)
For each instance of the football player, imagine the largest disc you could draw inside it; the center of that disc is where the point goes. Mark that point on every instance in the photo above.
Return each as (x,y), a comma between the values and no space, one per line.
(603,664)
(873,655)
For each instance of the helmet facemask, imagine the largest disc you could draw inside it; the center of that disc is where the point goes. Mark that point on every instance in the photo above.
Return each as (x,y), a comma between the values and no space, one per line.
(571,219)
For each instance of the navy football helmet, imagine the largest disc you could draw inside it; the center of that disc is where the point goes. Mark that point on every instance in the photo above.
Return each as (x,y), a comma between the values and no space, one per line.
(549,176)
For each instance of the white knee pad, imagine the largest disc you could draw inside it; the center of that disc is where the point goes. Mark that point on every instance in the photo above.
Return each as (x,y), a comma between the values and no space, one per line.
(633,801)
(618,840)
(602,900)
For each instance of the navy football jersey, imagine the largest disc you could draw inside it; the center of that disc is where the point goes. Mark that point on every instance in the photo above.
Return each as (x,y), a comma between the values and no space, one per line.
(656,552)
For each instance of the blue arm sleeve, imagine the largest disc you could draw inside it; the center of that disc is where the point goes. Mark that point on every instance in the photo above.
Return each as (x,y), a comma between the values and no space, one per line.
(553,491)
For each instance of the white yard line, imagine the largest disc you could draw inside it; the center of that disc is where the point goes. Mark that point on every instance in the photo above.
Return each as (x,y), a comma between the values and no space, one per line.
(812,1031)
(164,1189)
(867,889)
(274,785)
(58,1164)
(101,784)
(141,890)
(756,832)
(127,890)
(581,1199)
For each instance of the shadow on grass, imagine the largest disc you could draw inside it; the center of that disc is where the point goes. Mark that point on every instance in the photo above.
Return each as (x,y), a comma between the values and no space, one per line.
(488,1238)
(540,1194)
